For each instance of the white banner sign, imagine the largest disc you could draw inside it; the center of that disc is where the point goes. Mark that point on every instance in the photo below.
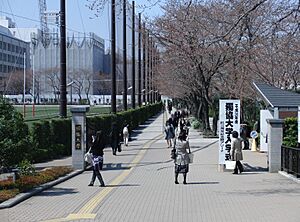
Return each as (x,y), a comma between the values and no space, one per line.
(229,121)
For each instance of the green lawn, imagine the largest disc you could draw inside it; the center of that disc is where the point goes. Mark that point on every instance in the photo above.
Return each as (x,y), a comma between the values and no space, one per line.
(52,111)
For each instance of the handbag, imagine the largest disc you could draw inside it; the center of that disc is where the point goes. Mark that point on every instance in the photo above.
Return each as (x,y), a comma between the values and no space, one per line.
(88,157)
(229,164)
(191,157)
(173,154)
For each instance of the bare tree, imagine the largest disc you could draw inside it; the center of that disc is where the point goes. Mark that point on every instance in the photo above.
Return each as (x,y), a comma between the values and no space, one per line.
(53,77)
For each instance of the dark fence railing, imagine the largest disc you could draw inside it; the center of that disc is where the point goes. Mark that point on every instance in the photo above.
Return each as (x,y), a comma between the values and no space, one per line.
(290,160)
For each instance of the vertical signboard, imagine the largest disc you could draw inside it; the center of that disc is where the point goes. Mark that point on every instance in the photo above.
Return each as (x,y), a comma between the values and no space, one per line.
(229,121)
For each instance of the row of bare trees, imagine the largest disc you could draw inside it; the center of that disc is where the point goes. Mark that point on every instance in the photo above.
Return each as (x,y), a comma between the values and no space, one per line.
(82,81)
(217,48)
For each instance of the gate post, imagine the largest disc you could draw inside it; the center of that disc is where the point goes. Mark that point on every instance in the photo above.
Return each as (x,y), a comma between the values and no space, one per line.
(78,135)
(275,134)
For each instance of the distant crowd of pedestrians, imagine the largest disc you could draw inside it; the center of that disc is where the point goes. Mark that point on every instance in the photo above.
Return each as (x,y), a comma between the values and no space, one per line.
(176,134)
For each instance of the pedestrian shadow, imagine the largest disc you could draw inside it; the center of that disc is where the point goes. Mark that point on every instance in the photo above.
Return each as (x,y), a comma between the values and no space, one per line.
(122,185)
(57,192)
(114,166)
(264,192)
(198,148)
(135,132)
(201,183)
(257,169)
(129,154)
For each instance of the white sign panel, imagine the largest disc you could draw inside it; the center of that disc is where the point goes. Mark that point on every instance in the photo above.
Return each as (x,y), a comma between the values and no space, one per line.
(229,121)
(298,124)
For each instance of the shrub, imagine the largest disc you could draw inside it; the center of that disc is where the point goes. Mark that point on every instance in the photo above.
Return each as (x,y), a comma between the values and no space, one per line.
(26,183)
(7,184)
(196,124)
(26,168)
(7,194)
(290,132)
(14,140)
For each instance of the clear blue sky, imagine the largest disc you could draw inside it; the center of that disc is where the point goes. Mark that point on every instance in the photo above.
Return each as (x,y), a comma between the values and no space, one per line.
(76,9)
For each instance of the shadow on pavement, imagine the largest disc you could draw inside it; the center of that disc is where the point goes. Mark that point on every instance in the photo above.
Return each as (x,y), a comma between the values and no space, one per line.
(201,183)
(113,166)
(249,168)
(123,185)
(57,192)
(264,192)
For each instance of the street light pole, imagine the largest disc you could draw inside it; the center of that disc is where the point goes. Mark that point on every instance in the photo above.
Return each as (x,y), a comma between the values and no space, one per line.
(144,63)
(124,57)
(139,61)
(63,55)
(133,57)
(113,57)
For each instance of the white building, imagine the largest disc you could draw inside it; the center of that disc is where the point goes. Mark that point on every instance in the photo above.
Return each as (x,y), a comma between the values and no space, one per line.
(11,55)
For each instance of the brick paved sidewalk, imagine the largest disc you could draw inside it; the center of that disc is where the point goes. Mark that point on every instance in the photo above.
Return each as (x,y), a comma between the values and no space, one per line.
(141,188)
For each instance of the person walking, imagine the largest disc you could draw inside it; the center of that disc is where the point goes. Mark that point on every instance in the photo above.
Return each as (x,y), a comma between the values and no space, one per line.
(170,133)
(97,158)
(115,139)
(126,135)
(182,156)
(236,152)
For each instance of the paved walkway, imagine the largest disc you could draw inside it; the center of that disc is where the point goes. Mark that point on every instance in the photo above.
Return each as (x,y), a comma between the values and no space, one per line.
(140,187)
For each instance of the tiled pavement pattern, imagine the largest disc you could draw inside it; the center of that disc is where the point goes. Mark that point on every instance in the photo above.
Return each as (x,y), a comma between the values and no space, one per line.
(148,192)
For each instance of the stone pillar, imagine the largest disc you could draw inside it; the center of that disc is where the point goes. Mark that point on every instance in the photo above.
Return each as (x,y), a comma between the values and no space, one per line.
(275,134)
(78,135)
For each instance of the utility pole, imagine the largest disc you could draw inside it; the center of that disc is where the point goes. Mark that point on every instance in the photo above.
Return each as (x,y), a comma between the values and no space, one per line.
(133,56)
(140,62)
(124,57)
(113,57)
(63,55)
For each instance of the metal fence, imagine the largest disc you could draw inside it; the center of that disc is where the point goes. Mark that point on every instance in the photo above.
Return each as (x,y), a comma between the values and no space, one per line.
(290,160)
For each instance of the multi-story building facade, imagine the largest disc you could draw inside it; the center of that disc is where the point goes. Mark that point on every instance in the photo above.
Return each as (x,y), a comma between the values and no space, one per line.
(85,61)
(12,51)
(85,58)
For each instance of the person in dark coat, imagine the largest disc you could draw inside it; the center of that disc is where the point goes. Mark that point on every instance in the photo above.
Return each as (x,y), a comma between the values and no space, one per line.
(236,152)
(115,139)
(97,158)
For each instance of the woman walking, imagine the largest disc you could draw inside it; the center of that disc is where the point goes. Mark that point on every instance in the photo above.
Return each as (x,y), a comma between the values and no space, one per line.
(170,133)
(236,152)
(97,158)
(182,156)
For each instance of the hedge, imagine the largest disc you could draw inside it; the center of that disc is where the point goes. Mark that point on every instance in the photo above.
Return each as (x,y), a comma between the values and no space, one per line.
(52,138)
(290,132)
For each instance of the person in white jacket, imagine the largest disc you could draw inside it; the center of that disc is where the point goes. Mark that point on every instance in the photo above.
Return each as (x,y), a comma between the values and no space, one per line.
(126,135)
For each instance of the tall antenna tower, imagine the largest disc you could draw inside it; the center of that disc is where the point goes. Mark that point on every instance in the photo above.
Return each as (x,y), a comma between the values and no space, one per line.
(43,20)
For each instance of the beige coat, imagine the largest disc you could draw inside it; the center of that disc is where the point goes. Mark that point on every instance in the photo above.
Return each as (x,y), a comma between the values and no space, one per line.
(236,149)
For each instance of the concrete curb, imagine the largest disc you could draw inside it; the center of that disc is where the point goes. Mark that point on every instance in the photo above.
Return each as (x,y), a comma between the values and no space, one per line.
(24,196)
(289,176)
